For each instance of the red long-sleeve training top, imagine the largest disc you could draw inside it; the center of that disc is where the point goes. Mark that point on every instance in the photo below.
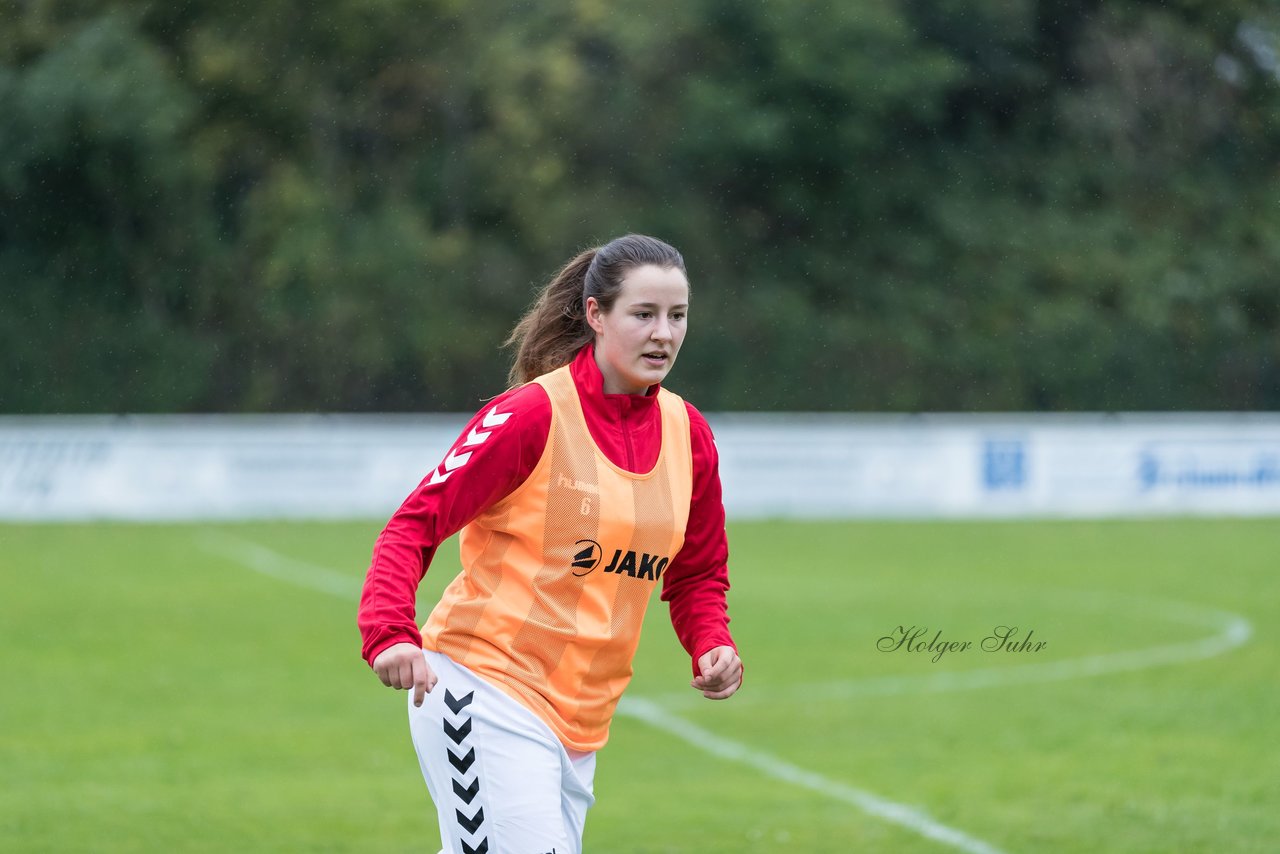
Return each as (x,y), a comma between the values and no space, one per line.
(628,430)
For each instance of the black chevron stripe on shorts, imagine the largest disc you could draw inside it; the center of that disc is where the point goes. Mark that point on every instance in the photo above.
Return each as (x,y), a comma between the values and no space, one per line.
(470,818)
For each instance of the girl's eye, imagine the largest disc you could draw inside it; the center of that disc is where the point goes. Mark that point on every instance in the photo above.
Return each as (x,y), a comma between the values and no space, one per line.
(679,315)
(643,315)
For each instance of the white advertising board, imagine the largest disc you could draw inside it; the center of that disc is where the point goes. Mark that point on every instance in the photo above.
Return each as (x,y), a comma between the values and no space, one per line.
(215,467)
(792,466)
(1021,465)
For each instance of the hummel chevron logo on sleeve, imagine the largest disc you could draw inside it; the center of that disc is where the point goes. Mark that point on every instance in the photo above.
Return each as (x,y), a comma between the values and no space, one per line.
(451,463)
(494,419)
(475,437)
(457,459)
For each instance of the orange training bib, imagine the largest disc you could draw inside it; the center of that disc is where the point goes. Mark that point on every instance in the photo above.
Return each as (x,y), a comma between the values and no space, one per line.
(557,576)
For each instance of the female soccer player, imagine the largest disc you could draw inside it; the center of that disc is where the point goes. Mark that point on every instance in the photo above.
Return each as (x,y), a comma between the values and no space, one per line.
(577,492)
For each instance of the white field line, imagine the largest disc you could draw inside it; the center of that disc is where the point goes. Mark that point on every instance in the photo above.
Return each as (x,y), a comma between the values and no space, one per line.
(1234,631)
(902,815)
(280,567)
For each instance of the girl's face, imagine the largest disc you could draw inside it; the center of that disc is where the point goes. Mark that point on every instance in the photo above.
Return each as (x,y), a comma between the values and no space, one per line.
(637,342)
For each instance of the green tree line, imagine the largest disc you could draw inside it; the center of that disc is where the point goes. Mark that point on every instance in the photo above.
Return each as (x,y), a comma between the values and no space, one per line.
(903,205)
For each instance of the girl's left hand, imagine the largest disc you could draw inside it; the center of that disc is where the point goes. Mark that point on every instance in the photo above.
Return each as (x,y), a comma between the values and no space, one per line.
(721,670)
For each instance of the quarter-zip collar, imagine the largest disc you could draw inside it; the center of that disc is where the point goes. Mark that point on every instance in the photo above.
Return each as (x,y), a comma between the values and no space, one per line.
(623,425)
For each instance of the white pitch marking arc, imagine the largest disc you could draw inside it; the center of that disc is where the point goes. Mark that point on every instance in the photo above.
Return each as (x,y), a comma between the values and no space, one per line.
(1233,631)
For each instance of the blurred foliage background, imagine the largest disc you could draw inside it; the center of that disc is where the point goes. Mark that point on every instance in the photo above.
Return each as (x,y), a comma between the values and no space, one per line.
(958,205)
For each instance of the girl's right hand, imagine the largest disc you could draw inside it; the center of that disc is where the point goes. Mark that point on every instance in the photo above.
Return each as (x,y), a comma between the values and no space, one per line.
(403,666)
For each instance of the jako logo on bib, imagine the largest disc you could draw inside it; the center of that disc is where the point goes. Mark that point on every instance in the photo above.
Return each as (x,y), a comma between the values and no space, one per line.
(623,562)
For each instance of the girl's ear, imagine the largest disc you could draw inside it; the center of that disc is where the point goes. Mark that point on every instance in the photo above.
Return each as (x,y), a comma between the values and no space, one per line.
(593,313)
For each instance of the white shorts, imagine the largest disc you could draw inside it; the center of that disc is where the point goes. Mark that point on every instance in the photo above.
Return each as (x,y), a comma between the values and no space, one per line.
(501,781)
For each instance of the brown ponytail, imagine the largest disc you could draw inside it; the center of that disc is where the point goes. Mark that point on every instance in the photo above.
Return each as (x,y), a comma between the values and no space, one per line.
(555,329)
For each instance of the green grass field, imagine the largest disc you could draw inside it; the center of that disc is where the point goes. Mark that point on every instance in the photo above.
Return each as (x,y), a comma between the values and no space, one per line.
(199,688)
